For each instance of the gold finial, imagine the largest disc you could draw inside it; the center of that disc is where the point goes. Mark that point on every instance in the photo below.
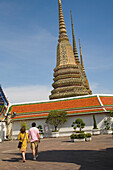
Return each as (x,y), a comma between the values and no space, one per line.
(59,1)
(62,27)
(74,43)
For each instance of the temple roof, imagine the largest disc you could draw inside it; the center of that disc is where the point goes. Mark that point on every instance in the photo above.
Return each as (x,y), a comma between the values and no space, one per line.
(3,99)
(3,104)
(74,106)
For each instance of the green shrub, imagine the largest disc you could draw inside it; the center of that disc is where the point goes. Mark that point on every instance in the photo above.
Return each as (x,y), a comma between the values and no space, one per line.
(78,123)
(40,129)
(111,113)
(55,130)
(79,131)
(77,136)
(81,136)
(88,135)
(72,136)
(107,125)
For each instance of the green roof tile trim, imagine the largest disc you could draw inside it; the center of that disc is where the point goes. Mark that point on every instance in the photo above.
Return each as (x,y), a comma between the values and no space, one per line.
(29,118)
(105,96)
(82,113)
(108,105)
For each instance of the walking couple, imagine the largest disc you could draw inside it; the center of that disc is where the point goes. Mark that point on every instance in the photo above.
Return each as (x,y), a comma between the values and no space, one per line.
(33,133)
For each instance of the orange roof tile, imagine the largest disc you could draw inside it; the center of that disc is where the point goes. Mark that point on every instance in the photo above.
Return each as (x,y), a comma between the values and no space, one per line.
(107,100)
(56,105)
(73,106)
(70,113)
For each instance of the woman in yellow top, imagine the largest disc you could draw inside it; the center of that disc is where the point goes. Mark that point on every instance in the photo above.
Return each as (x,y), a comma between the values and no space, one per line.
(23,137)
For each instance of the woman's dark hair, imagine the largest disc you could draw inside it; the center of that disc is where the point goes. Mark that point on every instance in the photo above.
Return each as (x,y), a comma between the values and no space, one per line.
(33,124)
(23,130)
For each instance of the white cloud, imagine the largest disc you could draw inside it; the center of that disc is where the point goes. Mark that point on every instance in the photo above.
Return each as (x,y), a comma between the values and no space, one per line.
(99,89)
(41,92)
(27,93)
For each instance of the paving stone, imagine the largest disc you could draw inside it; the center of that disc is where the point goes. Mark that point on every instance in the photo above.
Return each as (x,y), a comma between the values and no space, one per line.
(60,153)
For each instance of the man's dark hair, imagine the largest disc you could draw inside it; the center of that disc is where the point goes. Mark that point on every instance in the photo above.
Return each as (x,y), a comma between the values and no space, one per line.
(33,124)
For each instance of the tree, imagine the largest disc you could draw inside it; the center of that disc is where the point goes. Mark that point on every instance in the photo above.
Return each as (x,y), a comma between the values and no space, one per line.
(95,124)
(78,123)
(111,113)
(107,124)
(24,124)
(56,117)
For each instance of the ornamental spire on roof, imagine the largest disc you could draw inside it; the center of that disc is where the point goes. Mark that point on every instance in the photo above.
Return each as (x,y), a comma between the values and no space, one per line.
(62,27)
(74,42)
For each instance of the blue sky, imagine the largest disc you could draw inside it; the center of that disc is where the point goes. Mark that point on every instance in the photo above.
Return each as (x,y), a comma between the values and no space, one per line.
(28,43)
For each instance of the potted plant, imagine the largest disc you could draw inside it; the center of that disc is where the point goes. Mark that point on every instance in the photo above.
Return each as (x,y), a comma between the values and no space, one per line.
(81,137)
(72,137)
(111,119)
(78,123)
(111,113)
(95,130)
(40,131)
(56,118)
(107,129)
(78,137)
(88,136)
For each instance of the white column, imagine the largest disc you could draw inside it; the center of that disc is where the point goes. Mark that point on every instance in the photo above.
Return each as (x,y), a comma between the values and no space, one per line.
(0,131)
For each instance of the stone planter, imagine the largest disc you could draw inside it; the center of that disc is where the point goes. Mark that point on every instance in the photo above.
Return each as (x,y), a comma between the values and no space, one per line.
(88,139)
(54,134)
(96,132)
(41,136)
(72,140)
(79,140)
(107,132)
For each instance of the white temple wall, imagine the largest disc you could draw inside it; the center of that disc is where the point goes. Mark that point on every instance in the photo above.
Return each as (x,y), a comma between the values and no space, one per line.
(17,125)
(65,129)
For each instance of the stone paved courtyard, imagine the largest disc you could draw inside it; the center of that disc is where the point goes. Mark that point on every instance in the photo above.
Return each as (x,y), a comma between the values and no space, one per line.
(60,153)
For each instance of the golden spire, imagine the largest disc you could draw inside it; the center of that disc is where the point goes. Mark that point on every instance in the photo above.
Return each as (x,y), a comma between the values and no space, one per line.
(82,64)
(62,27)
(83,69)
(67,76)
(74,43)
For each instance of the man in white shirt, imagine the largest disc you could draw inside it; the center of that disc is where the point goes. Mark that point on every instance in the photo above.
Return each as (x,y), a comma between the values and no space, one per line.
(35,139)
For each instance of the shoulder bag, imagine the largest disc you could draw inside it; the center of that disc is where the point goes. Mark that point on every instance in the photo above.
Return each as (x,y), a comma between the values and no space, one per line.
(20,143)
